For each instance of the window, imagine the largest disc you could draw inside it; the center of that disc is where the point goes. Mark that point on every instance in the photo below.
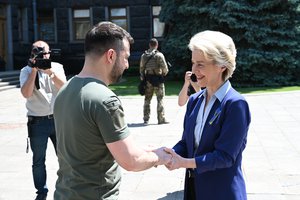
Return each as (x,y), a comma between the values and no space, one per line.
(2,11)
(3,39)
(81,23)
(46,28)
(118,16)
(22,16)
(158,27)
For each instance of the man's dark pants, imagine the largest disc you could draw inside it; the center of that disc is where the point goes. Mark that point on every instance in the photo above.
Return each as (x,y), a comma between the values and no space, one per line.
(39,130)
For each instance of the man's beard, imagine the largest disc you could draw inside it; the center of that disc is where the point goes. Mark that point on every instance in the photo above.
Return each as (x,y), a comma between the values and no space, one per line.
(116,72)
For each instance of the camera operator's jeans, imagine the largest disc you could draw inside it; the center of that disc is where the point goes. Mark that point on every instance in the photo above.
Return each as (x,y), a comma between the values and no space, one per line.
(39,129)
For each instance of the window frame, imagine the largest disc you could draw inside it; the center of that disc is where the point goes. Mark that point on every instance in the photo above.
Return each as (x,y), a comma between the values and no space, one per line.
(23,25)
(75,20)
(46,17)
(154,21)
(119,17)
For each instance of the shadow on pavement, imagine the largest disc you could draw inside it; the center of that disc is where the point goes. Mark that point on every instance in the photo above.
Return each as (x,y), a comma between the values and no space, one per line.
(173,195)
(135,125)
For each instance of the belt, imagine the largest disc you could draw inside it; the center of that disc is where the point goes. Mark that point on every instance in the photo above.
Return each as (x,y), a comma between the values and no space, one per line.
(190,173)
(150,73)
(40,117)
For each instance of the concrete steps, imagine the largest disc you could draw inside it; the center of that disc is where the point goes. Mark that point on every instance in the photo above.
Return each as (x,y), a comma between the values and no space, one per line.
(9,80)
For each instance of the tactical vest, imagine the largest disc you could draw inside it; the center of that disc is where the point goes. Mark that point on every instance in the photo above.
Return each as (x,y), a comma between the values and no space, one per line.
(152,66)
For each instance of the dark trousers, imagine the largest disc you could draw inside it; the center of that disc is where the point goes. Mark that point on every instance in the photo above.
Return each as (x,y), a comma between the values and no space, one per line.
(190,189)
(39,130)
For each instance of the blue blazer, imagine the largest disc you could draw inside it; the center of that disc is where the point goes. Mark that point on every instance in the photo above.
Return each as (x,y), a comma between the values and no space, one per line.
(218,175)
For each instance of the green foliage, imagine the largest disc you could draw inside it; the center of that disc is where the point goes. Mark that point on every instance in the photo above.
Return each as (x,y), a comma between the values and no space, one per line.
(266,34)
(128,87)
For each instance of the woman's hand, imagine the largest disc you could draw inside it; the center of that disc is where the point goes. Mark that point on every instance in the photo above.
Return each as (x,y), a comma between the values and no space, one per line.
(176,160)
(187,77)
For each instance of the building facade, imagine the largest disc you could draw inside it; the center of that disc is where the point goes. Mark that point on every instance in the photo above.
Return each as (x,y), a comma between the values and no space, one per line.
(63,24)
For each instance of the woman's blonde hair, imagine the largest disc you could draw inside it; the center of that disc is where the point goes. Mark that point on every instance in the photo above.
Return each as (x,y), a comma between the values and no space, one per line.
(217,47)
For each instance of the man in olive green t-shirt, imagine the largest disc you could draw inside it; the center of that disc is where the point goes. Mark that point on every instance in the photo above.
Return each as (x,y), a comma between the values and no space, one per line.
(92,136)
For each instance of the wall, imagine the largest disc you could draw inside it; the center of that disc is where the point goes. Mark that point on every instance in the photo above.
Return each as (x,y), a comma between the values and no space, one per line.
(140,22)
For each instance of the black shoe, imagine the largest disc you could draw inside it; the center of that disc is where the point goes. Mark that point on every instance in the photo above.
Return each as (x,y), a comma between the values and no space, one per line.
(163,122)
(146,123)
(41,197)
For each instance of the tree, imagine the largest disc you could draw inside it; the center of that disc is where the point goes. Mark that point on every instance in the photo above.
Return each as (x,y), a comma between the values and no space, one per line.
(266,34)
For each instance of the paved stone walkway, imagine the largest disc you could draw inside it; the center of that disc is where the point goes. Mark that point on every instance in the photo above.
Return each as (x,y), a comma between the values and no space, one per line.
(271,160)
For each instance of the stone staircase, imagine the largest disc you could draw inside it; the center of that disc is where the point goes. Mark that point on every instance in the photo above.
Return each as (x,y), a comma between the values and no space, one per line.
(9,80)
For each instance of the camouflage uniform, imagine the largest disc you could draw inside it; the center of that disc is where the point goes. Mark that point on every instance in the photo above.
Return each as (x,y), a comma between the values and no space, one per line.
(155,66)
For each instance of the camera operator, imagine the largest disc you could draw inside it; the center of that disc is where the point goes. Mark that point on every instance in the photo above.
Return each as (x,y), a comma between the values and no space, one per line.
(40,81)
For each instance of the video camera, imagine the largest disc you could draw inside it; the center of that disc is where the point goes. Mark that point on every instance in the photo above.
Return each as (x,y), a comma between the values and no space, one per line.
(37,57)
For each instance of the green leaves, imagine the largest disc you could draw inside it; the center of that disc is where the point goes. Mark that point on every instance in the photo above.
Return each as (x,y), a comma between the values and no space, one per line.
(266,34)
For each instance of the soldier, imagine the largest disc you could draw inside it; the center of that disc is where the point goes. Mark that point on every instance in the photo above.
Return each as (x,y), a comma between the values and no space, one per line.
(153,68)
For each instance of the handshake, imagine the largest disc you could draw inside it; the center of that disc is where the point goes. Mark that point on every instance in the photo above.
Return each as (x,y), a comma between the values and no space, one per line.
(169,158)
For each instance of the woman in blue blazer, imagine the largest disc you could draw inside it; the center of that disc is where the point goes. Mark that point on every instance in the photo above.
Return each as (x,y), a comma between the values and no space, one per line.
(216,124)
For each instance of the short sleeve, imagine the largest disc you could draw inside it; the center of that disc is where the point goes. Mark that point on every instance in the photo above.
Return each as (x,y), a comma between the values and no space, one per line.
(111,121)
(24,73)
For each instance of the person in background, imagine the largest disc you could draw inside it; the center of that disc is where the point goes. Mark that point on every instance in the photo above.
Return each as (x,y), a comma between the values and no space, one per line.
(189,87)
(216,124)
(153,68)
(93,139)
(40,87)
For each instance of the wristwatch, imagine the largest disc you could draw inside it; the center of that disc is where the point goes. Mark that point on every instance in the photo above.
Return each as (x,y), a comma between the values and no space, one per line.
(52,75)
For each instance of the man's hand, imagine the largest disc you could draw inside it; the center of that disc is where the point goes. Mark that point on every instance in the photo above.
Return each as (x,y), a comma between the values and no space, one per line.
(176,161)
(46,71)
(179,162)
(163,156)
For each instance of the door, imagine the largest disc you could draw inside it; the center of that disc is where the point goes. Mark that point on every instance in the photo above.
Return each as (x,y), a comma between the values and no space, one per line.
(3,38)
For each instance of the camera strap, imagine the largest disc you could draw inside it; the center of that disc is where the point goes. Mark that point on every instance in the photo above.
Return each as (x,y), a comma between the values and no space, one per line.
(27,147)
(36,81)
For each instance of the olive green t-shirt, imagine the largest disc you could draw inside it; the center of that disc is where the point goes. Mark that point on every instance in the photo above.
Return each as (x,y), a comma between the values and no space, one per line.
(87,116)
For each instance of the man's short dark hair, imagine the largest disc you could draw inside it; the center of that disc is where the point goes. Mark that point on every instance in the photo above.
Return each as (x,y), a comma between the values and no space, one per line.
(153,42)
(104,36)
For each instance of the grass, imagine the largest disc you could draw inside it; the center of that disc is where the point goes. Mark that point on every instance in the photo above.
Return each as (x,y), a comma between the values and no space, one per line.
(255,90)
(128,87)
